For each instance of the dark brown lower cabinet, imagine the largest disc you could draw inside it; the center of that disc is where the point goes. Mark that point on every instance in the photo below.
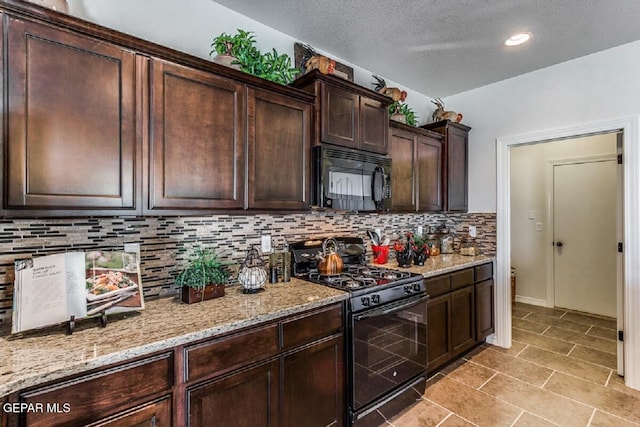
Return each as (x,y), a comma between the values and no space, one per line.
(133,393)
(300,385)
(460,313)
(313,386)
(154,414)
(248,398)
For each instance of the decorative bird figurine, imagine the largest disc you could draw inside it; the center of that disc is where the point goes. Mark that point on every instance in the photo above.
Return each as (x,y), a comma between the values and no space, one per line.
(392,92)
(441,114)
(312,61)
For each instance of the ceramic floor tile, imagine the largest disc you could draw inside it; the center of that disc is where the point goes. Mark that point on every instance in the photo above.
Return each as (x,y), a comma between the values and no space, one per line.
(471,374)
(597,343)
(470,404)
(519,313)
(542,341)
(602,419)
(540,402)
(528,325)
(515,349)
(597,331)
(558,322)
(617,383)
(555,312)
(566,364)
(422,414)
(605,322)
(455,421)
(529,420)
(595,356)
(607,400)
(513,366)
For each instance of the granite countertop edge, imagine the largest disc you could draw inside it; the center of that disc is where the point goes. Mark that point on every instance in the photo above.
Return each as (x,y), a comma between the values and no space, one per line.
(51,365)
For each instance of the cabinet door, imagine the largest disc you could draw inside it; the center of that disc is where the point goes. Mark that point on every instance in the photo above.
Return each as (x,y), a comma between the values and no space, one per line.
(429,170)
(93,396)
(155,414)
(197,140)
(340,116)
(248,398)
(439,331)
(279,151)
(374,125)
(484,309)
(71,121)
(463,327)
(457,165)
(313,385)
(401,151)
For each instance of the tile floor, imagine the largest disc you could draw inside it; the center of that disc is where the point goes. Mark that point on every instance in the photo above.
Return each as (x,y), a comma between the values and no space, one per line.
(560,371)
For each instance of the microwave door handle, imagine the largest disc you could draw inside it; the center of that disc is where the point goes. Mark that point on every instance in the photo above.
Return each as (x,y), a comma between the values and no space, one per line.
(394,309)
(378,186)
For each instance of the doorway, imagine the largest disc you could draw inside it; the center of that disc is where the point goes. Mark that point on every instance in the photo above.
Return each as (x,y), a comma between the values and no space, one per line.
(584,236)
(564,224)
(630,128)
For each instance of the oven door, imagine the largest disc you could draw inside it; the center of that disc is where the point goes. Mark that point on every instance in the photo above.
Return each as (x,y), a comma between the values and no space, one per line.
(389,348)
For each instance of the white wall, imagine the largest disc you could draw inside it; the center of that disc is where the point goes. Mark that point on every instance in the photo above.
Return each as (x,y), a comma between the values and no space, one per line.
(529,195)
(190,26)
(593,88)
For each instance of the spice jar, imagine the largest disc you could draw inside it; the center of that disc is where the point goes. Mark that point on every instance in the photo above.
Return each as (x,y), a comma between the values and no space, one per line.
(433,242)
(468,246)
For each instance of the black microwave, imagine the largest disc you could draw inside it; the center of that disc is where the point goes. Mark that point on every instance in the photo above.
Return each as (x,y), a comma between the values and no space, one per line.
(352,180)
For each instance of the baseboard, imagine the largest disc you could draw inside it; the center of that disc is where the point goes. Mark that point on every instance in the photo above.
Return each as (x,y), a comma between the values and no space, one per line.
(532,301)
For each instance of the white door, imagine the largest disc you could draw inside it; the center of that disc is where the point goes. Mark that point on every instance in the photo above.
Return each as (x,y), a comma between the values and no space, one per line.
(584,205)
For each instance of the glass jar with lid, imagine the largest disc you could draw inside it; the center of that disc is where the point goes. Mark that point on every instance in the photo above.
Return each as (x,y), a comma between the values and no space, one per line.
(468,246)
(446,241)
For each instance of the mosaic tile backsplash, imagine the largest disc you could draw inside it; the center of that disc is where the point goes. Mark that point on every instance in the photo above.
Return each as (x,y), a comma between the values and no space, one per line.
(164,240)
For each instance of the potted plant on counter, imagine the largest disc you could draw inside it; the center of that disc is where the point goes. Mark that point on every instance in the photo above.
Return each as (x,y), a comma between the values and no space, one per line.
(203,276)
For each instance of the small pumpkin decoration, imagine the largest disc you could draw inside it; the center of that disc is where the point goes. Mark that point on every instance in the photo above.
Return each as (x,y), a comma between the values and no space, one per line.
(330,260)
(253,273)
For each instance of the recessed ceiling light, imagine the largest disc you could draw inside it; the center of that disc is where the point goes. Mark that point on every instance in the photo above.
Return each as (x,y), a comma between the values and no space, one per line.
(517,39)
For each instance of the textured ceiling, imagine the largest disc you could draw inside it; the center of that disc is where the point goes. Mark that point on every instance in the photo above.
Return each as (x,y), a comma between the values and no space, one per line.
(440,48)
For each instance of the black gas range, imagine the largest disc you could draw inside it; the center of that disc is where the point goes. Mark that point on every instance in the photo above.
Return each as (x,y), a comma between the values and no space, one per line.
(386,329)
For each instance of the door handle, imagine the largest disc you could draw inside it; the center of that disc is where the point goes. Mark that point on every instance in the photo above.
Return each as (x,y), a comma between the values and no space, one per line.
(559,244)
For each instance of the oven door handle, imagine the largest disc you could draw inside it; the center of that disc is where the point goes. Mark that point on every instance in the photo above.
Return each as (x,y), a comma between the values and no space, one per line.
(384,311)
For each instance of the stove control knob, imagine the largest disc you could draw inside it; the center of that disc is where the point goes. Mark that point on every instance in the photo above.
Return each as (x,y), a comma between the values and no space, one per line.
(375,299)
(408,289)
(417,287)
(365,301)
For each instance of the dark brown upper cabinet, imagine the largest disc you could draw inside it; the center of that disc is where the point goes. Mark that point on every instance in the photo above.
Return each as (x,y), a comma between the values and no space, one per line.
(416,174)
(70,106)
(279,151)
(197,139)
(347,114)
(455,164)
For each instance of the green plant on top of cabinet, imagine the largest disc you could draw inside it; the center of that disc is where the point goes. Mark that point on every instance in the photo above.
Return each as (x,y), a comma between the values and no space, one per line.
(71,111)
(347,114)
(416,169)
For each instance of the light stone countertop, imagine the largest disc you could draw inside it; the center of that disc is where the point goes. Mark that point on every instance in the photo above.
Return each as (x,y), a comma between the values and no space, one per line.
(39,357)
(441,264)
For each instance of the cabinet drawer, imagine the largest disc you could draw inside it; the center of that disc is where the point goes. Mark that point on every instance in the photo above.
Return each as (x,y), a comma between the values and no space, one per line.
(438,285)
(460,279)
(484,272)
(226,354)
(314,326)
(82,400)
